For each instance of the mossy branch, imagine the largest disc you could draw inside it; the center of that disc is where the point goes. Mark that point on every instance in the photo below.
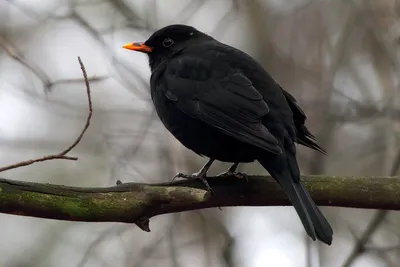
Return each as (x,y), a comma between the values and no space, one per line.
(136,202)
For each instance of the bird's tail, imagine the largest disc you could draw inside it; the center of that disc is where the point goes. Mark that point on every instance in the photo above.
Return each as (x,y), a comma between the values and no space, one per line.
(286,172)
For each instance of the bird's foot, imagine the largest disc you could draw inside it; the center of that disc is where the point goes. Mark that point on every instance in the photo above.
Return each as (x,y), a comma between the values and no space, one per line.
(197,175)
(238,175)
(186,176)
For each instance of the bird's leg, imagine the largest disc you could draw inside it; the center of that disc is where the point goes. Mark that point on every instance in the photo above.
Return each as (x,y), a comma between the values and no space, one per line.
(201,175)
(233,168)
(232,172)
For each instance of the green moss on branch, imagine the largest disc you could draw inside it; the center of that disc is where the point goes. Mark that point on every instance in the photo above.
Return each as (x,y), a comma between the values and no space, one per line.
(135,203)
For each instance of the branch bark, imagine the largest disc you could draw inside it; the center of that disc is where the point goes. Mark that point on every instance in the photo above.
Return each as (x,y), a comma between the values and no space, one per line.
(137,203)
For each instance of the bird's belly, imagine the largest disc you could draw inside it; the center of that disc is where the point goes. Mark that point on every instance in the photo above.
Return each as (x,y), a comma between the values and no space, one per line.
(202,138)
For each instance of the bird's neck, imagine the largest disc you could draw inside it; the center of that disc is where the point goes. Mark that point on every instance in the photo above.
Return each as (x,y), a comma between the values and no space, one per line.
(156,60)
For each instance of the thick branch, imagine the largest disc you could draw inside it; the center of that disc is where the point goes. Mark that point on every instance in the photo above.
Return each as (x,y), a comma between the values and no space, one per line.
(136,203)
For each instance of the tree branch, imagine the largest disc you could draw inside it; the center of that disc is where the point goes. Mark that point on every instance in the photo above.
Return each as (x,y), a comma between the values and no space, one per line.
(62,154)
(136,203)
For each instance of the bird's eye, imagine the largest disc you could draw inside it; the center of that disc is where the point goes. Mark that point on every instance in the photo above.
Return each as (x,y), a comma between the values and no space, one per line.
(168,42)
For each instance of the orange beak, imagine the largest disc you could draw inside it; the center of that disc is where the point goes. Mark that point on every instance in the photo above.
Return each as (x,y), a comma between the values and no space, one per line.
(141,47)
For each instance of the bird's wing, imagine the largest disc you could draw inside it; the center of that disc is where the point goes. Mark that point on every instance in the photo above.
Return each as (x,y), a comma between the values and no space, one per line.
(304,136)
(220,97)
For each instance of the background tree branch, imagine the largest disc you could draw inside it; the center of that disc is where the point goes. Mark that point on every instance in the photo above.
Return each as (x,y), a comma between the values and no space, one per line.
(62,154)
(136,202)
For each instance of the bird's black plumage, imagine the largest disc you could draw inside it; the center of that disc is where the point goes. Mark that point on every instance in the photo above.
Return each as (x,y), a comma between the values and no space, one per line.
(219,102)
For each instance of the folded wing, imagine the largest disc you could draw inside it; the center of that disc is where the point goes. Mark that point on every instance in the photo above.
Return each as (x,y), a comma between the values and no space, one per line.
(225,100)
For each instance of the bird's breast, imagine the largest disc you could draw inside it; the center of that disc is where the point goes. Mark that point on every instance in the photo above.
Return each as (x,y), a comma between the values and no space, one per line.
(165,108)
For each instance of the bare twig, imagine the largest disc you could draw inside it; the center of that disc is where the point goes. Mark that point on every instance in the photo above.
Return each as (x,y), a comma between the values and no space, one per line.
(379,217)
(359,247)
(118,64)
(226,20)
(113,230)
(87,124)
(76,80)
(15,54)
(188,11)
(62,154)
(395,247)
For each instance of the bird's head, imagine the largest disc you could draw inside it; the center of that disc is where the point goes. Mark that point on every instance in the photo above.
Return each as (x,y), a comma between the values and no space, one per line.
(165,42)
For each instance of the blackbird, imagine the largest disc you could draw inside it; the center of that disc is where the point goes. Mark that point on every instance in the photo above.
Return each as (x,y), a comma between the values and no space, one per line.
(221,103)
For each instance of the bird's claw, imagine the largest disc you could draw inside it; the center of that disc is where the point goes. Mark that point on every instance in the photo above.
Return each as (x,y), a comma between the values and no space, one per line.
(195,176)
(238,175)
(186,176)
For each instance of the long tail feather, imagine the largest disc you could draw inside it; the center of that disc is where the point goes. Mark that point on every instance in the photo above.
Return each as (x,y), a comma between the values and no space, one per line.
(314,222)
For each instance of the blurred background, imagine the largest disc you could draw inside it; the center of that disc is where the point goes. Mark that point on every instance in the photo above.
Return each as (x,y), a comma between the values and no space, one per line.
(339,58)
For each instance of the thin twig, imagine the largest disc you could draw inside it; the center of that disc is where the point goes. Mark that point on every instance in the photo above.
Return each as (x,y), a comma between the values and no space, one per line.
(76,80)
(62,154)
(87,124)
(15,54)
(360,246)
(112,231)
(383,249)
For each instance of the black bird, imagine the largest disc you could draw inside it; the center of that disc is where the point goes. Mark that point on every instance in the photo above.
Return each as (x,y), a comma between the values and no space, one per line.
(221,103)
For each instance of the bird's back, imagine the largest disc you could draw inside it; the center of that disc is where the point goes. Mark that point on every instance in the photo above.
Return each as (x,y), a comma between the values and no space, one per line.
(280,117)
(285,113)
